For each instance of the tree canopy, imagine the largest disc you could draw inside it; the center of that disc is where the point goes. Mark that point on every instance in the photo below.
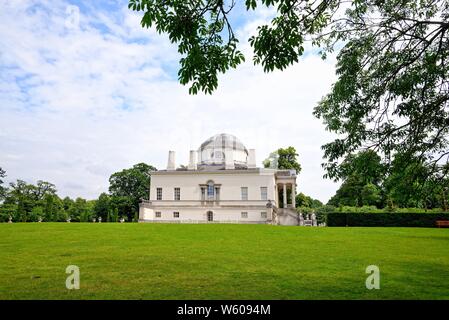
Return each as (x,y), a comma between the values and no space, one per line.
(2,188)
(128,187)
(367,181)
(283,159)
(392,87)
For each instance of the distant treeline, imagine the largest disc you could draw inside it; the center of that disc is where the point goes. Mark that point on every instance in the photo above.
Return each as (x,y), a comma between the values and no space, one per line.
(25,202)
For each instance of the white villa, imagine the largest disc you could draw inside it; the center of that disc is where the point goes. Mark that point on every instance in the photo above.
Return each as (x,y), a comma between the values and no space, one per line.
(221,184)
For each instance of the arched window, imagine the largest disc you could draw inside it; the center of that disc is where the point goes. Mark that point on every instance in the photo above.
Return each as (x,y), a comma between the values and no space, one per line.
(210,190)
(210,216)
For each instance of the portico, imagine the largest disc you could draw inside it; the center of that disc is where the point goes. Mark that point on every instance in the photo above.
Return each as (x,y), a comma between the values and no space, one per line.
(286,189)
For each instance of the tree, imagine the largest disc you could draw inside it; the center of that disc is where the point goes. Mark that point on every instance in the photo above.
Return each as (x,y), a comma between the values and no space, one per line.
(133,184)
(123,207)
(362,174)
(102,206)
(392,90)
(349,193)
(283,159)
(53,208)
(367,165)
(305,201)
(23,196)
(2,189)
(408,184)
(370,195)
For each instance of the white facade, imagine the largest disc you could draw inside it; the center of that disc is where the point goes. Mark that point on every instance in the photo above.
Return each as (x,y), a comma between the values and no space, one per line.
(223,187)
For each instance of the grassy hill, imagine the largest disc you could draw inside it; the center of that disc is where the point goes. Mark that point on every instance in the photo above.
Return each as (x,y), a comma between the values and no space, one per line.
(170,261)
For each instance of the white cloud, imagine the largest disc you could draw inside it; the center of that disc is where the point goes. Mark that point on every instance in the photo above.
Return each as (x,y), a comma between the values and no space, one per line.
(79,104)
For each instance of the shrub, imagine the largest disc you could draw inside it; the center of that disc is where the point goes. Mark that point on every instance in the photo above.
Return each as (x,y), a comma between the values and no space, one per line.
(384,219)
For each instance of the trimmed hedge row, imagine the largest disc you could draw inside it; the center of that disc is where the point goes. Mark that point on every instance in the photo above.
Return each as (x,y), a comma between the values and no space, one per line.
(384,219)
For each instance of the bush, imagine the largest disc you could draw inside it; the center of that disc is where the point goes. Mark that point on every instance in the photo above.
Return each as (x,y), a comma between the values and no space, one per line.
(384,219)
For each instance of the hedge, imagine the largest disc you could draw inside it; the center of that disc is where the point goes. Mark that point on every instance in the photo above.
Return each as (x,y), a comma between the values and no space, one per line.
(384,219)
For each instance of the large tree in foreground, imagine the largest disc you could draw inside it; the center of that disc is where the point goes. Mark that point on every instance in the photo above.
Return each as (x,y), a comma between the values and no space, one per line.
(392,89)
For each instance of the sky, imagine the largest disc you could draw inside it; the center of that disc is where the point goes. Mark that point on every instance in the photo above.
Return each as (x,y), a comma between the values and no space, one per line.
(85,91)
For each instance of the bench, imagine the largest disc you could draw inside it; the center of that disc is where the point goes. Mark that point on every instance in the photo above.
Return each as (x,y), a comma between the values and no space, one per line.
(442,223)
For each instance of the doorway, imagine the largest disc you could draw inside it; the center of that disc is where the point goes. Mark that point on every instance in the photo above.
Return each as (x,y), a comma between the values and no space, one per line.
(210,216)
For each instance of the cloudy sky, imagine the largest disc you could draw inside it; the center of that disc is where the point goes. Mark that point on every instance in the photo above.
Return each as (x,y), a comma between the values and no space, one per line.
(85,92)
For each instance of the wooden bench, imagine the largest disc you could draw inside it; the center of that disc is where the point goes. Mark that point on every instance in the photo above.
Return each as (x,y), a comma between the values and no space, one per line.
(442,223)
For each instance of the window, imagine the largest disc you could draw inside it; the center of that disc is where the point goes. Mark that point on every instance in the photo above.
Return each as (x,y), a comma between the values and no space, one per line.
(263,215)
(210,190)
(244,193)
(158,214)
(175,214)
(210,216)
(158,193)
(177,193)
(217,155)
(244,215)
(263,193)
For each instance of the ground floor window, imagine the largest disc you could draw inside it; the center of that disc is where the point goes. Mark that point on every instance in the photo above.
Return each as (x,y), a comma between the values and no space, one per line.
(210,216)
(263,215)
(175,214)
(158,214)
(244,215)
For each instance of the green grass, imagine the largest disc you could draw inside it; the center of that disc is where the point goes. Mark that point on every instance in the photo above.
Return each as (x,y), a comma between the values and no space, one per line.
(170,261)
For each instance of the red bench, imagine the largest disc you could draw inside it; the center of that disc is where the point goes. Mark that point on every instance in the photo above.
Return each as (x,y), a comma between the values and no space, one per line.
(442,223)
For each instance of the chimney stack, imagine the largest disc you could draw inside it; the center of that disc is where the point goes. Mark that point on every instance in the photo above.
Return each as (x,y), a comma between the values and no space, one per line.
(251,158)
(171,160)
(192,161)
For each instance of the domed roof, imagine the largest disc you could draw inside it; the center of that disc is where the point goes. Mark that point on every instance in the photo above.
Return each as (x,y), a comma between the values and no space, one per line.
(223,140)
(213,151)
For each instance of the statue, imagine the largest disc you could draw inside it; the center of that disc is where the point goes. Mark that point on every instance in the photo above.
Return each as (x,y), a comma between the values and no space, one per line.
(301,219)
(10,219)
(314,222)
(94,220)
(99,219)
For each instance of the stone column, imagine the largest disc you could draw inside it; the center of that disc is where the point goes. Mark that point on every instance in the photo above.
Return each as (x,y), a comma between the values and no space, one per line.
(285,195)
(294,195)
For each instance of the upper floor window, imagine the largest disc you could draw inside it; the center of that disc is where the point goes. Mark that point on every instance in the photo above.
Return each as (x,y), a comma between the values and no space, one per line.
(263,193)
(210,190)
(175,214)
(158,193)
(244,193)
(244,215)
(158,214)
(177,193)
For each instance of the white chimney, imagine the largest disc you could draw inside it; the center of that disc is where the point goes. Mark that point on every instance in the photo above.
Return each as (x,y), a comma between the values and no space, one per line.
(171,160)
(229,159)
(251,158)
(192,160)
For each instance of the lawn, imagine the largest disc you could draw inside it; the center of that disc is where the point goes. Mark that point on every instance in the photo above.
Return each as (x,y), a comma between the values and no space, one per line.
(171,261)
